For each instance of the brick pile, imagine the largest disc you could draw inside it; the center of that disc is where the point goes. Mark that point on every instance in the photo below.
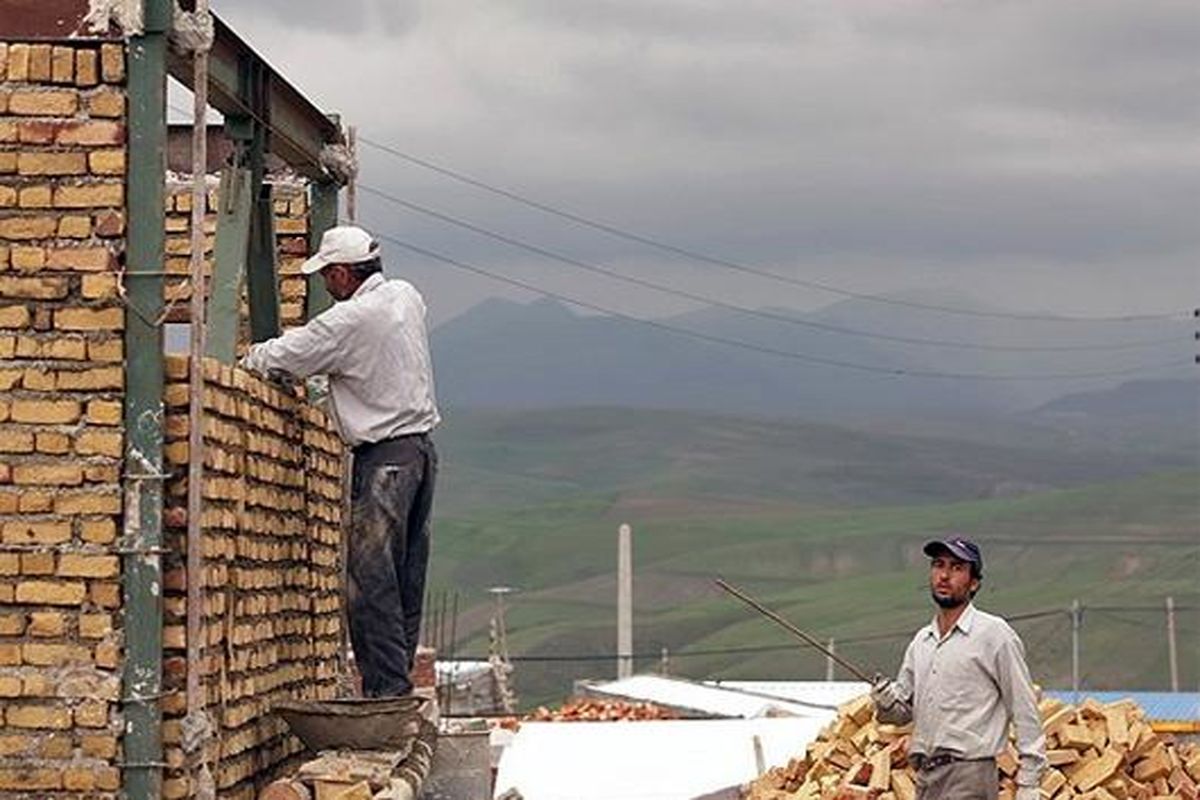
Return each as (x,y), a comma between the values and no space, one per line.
(272,605)
(62,163)
(290,203)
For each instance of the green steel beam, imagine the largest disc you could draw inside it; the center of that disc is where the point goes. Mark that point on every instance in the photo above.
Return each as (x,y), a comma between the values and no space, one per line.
(322,215)
(229,263)
(298,128)
(142,540)
(262,280)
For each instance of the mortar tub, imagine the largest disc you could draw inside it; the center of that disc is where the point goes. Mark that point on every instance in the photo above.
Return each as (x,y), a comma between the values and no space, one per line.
(385,723)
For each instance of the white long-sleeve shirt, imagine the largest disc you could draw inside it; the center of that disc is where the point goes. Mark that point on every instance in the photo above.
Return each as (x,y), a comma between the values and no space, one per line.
(964,687)
(375,350)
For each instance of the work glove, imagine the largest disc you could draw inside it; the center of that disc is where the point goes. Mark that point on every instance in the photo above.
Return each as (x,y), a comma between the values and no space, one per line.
(1028,793)
(885,694)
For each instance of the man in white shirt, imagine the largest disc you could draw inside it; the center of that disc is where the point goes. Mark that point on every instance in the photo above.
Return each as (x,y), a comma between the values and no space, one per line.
(372,345)
(963,680)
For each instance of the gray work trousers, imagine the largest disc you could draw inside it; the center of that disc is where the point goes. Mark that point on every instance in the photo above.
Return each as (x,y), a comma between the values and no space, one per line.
(387,554)
(960,780)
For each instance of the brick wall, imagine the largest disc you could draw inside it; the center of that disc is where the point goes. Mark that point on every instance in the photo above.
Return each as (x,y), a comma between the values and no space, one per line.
(271,541)
(290,200)
(62,163)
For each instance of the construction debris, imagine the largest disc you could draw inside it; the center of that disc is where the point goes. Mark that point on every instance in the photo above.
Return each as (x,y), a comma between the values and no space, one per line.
(592,711)
(362,774)
(1095,751)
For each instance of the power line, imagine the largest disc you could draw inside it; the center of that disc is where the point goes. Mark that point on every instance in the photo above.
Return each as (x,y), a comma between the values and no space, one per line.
(804,357)
(761,313)
(612,230)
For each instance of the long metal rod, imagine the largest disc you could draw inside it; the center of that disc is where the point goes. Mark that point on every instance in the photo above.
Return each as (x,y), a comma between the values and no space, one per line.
(141,774)
(1172,654)
(198,345)
(771,615)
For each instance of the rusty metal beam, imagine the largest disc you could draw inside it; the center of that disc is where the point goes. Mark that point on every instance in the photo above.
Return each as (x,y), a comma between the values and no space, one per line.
(40,20)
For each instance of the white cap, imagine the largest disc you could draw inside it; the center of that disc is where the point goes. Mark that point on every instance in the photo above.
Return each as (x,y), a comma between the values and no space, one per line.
(345,244)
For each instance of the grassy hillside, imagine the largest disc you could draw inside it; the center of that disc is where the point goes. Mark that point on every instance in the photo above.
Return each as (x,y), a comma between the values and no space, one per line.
(823,523)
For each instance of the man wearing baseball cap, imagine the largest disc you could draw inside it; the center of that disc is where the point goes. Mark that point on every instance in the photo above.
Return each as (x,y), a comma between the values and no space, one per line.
(963,680)
(373,347)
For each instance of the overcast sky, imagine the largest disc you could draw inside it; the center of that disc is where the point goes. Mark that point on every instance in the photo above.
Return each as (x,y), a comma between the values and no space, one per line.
(1032,155)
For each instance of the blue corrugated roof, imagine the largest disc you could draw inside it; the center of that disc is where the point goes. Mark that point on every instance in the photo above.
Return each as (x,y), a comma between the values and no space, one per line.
(1159,706)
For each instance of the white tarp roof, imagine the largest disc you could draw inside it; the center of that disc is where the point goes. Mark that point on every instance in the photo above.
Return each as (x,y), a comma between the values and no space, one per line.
(658,760)
(744,699)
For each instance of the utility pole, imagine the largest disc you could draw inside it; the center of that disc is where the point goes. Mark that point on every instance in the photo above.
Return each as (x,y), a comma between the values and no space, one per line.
(1076,620)
(829,661)
(1172,658)
(352,184)
(501,667)
(624,603)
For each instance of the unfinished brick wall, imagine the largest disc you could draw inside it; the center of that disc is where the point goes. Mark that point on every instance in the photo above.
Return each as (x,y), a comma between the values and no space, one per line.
(62,163)
(290,201)
(272,513)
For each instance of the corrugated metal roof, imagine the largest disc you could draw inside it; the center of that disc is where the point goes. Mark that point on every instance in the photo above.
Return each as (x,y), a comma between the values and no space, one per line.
(746,700)
(1159,706)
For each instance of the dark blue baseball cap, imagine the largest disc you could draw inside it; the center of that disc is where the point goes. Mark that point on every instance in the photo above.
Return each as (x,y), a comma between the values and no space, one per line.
(957,546)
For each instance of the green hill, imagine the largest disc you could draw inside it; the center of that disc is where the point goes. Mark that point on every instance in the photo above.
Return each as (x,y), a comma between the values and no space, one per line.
(823,523)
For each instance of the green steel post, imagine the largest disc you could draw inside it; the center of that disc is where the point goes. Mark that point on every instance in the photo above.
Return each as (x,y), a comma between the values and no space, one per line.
(229,263)
(142,541)
(322,215)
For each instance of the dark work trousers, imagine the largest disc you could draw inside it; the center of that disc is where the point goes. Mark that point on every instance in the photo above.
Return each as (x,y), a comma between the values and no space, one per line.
(388,550)
(960,780)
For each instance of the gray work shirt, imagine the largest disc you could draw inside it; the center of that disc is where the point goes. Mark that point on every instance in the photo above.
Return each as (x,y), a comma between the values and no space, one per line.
(966,686)
(374,348)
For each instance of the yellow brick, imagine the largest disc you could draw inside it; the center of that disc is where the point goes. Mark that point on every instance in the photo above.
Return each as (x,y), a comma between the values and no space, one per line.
(39,62)
(14,317)
(34,163)
(91,259)
(8,195)
(75,227)
(79,779)
(8,162)
(8,131)
(47,624)
(35,197)
(16,441)
(18,62)
(38,717)
(92,714)
(53,443)
(106,103)
(38,654)
(43,103)
(27,227)
(176,453)
(98,746)
(98,531)
(10,564)
(62,65)
(30,779)
(101,473)
(38,380)
(48,288)
(93,133)
(107,350)
(56,747)
(99,443)
(107,162)
(87,503)
(65,348)
(37,684)
(89,319)
(9,379)
(101,286)
(10,654)
(46,412)
(87,67)
(105,594)
(108,655)
(51,593)
(47,474)
(37,564)
(28,259)
(78,565)
(104,412)
(15,745)
(10,686)
(39,502)
(112,63)
(89,195)
(95,626)
(91,380)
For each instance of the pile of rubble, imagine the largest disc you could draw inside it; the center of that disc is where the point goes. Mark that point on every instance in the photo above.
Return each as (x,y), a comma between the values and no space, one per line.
(1095,751)
(584,710)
